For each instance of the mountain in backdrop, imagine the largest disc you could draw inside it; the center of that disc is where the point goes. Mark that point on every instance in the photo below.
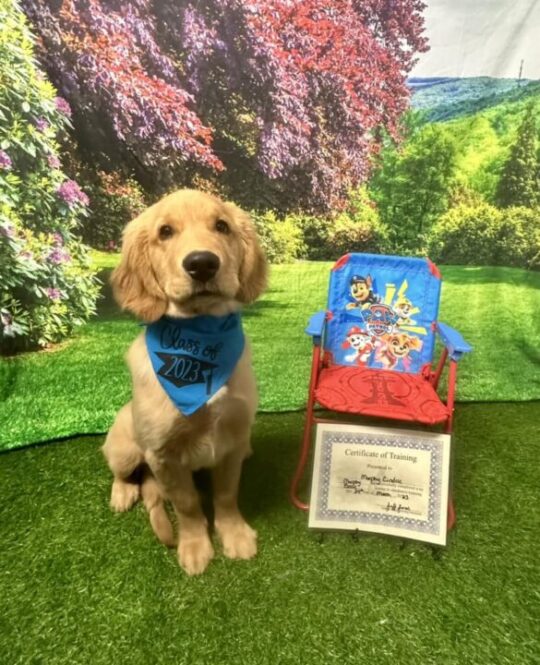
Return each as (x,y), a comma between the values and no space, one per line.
(444,98)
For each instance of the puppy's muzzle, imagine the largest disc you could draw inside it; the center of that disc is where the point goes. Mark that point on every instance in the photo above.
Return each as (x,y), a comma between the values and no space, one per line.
(201,266)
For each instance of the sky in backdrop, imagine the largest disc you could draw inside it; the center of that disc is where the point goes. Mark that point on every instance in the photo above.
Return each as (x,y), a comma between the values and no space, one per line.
(481,38)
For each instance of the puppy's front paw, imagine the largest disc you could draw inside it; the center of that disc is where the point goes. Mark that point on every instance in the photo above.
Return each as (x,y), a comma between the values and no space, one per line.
(194,554)
(123,495)
(238,538)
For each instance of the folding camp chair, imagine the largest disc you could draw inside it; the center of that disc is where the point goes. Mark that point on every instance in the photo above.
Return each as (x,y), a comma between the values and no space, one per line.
(373,348)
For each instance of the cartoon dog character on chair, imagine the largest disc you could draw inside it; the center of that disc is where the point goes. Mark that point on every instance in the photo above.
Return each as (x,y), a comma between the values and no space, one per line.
(396,348)
(361,289)
(361,344)
(403,308)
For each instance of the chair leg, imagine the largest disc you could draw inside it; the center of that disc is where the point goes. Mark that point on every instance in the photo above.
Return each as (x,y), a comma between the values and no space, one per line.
(452,378)
(304,453)
(440,366)
(306,441)
(451,519)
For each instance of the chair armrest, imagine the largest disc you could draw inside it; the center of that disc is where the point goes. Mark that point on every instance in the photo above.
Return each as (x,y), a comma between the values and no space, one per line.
(315,327)
(453,341)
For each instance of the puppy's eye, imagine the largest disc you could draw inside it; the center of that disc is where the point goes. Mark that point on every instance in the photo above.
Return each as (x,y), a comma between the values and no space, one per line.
(222,227)
(165,232)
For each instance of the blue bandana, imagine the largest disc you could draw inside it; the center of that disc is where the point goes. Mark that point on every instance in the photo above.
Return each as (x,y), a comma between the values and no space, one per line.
(193,358)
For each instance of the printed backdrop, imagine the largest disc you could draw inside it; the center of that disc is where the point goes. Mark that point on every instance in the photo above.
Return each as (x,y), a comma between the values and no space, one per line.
(462,186)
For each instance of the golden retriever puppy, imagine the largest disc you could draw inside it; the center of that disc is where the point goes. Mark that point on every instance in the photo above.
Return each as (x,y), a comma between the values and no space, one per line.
(188,264)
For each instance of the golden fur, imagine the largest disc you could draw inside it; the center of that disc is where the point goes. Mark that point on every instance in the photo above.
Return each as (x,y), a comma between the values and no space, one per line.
(149,431)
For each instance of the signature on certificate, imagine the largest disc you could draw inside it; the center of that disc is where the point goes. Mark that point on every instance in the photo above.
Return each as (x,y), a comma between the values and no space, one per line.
(397,508)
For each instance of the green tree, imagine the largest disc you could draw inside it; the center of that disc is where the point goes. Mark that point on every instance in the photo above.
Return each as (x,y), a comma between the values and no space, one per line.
(520,178)
(412,183)
(480,154)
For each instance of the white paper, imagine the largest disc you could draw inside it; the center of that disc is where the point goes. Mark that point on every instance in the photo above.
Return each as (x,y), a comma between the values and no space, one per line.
(389,481)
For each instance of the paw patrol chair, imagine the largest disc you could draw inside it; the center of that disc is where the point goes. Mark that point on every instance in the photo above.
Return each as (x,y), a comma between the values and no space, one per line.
(373,348)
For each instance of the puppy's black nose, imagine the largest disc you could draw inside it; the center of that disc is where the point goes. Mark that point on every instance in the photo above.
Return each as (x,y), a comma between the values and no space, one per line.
(201,266)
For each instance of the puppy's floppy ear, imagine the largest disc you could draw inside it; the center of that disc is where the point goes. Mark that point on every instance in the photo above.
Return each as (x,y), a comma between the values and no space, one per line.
(134,283)
(253,268)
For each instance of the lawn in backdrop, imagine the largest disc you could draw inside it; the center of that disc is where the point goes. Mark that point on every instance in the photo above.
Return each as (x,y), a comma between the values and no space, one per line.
(78,386)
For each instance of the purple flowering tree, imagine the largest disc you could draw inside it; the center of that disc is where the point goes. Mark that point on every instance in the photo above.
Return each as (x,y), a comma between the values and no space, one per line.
(282,96)
(48,287)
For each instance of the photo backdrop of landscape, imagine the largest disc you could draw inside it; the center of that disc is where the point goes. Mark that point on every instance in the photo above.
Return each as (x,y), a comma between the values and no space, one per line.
(386,126)
(478,86)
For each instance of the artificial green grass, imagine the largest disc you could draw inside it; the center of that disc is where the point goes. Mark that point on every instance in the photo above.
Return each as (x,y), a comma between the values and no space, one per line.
(78,387)
(83,586)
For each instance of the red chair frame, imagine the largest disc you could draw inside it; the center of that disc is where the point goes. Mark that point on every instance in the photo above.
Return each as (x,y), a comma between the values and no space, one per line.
(452,350)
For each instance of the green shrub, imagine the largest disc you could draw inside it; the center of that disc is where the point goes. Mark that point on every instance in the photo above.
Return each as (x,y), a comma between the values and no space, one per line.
(298,236)
(518,243)
(358,229)
(315,231)
(462,194)
(485,235)
(48,287)
(281,238)
(349,234)
(466,235)
(114,202)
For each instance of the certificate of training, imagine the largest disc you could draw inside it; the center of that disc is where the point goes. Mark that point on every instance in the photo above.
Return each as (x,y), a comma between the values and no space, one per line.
(390,481)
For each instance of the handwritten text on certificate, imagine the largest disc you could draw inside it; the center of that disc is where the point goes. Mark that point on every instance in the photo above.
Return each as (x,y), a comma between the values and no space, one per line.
(382,480)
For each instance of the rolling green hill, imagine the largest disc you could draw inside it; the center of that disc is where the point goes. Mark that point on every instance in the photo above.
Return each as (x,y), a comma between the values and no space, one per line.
(442,99)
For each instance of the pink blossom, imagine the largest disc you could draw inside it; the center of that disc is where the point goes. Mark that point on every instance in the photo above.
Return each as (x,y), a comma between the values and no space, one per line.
(53,162)
(70,192)
(63,106)
(5,160)
(54,294)
(58,255)
(42,124)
